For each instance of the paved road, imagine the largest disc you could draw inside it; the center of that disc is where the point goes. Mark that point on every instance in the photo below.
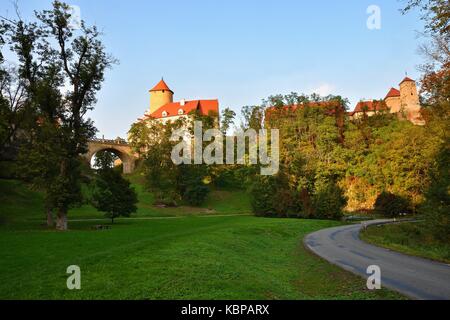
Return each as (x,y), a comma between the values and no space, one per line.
(415,277)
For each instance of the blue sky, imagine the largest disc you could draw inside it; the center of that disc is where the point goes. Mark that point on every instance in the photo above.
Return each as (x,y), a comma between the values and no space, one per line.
(243,51)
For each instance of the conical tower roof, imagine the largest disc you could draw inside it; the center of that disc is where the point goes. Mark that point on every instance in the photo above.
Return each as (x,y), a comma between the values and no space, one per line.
(160,86)
(407,79)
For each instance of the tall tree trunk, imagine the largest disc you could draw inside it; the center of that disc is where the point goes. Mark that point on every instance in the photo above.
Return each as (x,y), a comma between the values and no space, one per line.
(61,220)
(50,221)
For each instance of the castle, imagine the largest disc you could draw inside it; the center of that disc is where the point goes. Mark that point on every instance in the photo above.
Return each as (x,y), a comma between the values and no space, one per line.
(163,109)
(404,102)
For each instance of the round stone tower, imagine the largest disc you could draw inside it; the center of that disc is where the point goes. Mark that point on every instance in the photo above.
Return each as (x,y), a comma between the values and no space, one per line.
(409,100)
(408,94)
(160,95)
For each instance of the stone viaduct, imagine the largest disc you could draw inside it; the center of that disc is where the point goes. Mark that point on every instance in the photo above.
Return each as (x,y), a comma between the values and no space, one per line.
(118,146)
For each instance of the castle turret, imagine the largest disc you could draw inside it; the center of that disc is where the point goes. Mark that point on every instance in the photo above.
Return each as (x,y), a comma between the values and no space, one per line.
(160,95)
(409,101)
(408,94)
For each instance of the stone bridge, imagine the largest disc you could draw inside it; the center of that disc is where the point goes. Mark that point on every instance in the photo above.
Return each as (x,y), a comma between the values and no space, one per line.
(118,146)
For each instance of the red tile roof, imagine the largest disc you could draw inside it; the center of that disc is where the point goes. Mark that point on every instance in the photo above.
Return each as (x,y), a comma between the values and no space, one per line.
(407,79)
(373,105)
(393,93)
(161,86)
(204,106)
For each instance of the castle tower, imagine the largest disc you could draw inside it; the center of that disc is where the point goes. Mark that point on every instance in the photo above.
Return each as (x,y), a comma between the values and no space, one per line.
(409,101)
(408,94)
(160,95)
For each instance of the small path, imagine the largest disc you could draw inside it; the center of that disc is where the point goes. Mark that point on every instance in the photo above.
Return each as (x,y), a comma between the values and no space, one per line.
(159,218)
(415,277)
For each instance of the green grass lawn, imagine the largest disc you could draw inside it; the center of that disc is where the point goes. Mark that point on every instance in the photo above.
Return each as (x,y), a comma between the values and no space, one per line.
(409,238)
(219,202)
(190,257)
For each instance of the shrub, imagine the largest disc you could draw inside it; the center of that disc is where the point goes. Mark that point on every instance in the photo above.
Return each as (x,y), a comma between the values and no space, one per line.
(196,194)
(271,196)
(191,183)
(391,205)
(328,202)
(261,195)
(8,170)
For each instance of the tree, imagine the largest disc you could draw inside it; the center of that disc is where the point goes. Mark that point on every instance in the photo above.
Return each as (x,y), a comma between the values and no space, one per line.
(272,196)
(168,181)
(104,159)
(227,119)
(113,194)
(52,49)
(191,183)
(142,135)
(436,14)
(160,171)
(13,108)
(253,117)
(436,208)
(436,90)
(391,205)
(328,201)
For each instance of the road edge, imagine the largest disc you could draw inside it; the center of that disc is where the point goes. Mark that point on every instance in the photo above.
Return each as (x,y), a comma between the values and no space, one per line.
(311,250)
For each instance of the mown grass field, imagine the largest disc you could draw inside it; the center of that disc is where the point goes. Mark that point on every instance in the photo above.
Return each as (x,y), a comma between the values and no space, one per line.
(409,238)
(195,255)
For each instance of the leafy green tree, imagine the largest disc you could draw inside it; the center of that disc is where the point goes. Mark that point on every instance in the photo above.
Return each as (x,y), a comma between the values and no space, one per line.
(391,205)
(113,194)
(436,208)
(104,159)
(271,196)
(142,135)
(436,14)
(311,147)
(192,184)
(436,93)
(401,159)
(329,201)
(160,172)
(14,111)
(170,182)
(253,117)
(50,52)
(227,116)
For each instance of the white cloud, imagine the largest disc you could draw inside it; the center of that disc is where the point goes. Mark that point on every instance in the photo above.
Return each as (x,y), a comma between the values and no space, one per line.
(324,89)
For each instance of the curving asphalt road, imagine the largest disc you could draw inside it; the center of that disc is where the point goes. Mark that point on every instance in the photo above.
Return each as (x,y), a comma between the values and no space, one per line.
(414,277)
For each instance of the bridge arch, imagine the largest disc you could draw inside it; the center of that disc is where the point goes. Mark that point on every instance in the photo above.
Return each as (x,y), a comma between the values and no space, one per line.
(118,147)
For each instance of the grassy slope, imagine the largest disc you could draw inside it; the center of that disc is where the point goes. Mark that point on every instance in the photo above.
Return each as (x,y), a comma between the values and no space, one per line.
(219,202)
(194,257)
(408,238)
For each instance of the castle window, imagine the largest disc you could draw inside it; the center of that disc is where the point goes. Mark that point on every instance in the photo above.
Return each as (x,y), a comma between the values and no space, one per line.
(164,114)
(180,111)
